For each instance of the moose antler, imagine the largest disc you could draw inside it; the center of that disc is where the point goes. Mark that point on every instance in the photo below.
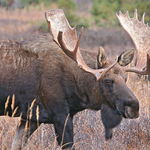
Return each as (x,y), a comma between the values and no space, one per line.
(140,35)
(66,39)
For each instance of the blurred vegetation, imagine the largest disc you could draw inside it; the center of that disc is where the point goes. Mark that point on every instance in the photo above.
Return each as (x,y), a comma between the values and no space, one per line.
(42,26)
(141,5)
(100,14)
(70,9)
(104,11)
(27,3)
(4,3)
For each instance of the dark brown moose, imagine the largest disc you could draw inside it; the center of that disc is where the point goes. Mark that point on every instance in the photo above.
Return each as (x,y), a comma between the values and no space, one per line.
(41,75)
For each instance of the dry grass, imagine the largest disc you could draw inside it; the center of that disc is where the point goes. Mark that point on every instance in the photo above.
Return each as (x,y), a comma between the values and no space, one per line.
(88,129)
(21,22)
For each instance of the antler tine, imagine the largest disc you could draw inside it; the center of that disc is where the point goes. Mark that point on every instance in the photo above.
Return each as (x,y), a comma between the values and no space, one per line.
(66,38)
(135,15)
(140,35)
(71,54)
(146,70)
(143,18)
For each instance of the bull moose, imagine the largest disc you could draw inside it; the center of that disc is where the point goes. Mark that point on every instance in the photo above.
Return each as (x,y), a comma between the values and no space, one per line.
(51,71)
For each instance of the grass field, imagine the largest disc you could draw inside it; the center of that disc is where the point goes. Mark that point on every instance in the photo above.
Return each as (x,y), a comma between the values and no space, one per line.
(88,129)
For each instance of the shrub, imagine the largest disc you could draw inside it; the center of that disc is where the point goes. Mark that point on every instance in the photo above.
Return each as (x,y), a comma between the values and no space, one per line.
(104,10)
(4,3)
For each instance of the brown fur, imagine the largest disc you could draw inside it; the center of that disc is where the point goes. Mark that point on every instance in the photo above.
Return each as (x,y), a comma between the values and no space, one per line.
(39,69)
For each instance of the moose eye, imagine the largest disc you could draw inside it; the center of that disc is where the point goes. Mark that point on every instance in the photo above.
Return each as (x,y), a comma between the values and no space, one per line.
(107,81)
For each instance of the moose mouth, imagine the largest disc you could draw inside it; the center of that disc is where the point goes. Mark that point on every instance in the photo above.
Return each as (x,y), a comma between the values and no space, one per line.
(129,112)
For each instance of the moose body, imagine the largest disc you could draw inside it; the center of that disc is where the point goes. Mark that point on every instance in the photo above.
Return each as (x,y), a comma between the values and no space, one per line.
(39,69)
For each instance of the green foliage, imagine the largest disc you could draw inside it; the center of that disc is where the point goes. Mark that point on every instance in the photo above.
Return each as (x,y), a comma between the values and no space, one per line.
(4,3)
(104,11)
(141,5)
(84,22)
(69,7)
(70,10)
(27,3)
(43,26)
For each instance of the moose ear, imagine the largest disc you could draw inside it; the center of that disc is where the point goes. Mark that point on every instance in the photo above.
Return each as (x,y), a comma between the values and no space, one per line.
(126,57)
(101,57)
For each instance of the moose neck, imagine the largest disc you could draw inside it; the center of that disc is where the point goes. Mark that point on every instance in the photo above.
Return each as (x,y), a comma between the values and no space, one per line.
(87,84)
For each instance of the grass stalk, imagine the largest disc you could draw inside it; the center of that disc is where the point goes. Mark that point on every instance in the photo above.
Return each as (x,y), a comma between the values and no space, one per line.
(6,104)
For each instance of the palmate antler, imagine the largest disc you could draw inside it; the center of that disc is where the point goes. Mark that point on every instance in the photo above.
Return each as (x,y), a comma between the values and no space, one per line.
(140,35)
(66,38)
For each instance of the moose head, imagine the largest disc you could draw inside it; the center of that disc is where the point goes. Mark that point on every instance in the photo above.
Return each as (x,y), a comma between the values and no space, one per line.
(124,103)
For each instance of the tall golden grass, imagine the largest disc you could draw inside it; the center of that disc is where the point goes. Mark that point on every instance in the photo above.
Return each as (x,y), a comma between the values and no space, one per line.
(88,128)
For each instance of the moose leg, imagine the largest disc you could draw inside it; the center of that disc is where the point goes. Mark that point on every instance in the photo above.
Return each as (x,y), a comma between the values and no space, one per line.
(24,130)
(64,130)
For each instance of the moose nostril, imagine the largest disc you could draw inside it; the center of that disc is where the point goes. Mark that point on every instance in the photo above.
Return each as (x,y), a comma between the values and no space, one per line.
(131,113)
